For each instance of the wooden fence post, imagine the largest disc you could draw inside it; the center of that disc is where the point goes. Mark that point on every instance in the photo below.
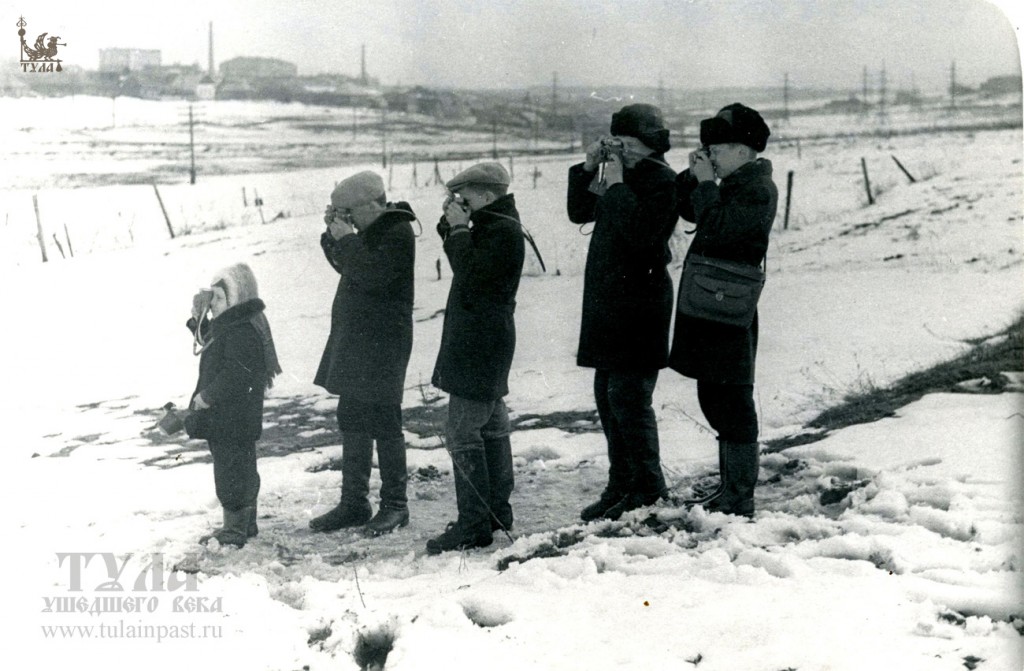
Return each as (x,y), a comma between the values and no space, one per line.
(789,196)
(867,182)
(39,227)
(905,171)
(167,219)
(67,235)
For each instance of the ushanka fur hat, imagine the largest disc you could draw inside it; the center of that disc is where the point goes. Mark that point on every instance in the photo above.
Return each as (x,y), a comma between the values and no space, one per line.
(645,123)
(238,283)
(735,123)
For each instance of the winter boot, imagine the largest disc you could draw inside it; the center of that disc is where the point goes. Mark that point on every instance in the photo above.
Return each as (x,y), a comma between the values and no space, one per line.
(597,509)
(472,497)
(631,502)
(354,508)
(252,529)
(233,532)
(455,538)
(742,466)
(385,521)
(502,481)
(342,516)
(705,498)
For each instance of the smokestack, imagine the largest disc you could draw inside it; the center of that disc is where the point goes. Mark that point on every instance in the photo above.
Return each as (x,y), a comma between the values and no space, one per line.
(362,65)
(211,50)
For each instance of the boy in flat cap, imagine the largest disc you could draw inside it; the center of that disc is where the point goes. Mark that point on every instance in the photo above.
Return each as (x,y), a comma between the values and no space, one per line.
(627,297)
(370,243)
(484,243)
(734,217)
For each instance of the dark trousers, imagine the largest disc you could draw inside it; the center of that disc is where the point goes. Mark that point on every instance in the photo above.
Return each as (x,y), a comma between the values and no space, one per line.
(631,429)
(481,450)
(235,477)
(729,409)
(361,424)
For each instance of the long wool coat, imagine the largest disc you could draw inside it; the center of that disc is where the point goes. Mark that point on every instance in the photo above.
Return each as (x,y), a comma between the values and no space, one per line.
(478,339)
(232,378)
(733,221)
(370,341)
(627,291)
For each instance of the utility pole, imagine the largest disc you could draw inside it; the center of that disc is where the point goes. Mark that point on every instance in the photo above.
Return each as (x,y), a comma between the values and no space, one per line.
(384,135)
(864,95)
(554,93)
(952,85)
(881,94)
(785,97)
(191,147)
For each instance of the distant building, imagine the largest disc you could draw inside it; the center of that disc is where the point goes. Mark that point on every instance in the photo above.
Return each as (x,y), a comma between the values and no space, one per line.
(1001,85)
(248,68)
(132,60)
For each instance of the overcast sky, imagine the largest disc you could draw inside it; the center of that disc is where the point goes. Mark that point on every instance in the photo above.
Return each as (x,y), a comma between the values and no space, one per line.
(516,43)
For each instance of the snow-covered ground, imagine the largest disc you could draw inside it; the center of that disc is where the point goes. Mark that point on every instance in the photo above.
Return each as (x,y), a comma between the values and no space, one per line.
(917,567)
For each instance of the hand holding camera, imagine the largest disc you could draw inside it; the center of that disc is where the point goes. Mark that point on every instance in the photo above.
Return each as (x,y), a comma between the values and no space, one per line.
(601,151)
(456,210)
(201,304)
(701,166)
(339,224)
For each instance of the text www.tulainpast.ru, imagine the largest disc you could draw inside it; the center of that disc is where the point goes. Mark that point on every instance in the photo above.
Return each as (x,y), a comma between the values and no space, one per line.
(124,630)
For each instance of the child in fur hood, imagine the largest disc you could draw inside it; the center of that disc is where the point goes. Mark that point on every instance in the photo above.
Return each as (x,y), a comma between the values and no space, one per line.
(238,363)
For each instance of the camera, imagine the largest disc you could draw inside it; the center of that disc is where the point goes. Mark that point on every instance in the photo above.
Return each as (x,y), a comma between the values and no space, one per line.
(201,303)
(612,146)
(458,199)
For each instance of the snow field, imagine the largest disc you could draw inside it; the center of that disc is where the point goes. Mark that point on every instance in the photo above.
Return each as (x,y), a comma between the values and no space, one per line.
(913,564)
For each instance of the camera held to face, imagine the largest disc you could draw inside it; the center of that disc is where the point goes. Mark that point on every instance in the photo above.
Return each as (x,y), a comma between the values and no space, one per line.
(201,303)
(612,146)
(458,199)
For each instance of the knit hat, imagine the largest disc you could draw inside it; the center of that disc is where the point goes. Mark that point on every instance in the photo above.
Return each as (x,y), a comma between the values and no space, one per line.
(359,189)
(645,123)
(238,282)
(481,173)
(735,123)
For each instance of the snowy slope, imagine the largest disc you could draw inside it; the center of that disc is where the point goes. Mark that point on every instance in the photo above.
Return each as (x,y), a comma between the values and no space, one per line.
(918,567)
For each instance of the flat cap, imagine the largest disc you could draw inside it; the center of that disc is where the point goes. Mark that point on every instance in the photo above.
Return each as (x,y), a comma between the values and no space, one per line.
(359,189)
(481,173)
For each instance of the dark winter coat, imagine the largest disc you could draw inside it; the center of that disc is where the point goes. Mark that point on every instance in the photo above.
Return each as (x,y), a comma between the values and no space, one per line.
(733,221)
(232,378)
(479,335)
(370,341)
(627,291)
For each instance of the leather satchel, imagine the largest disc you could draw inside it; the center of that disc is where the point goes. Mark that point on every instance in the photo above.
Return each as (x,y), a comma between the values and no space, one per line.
(720,291)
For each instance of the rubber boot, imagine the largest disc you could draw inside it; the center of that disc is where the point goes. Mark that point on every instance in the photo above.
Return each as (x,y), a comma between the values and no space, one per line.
(472,496)
(233,532)
(252,529)
(707,498)
(501,474)
(742,463)
(354,509)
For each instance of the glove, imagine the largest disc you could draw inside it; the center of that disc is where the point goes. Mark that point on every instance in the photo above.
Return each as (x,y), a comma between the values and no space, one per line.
(443,228)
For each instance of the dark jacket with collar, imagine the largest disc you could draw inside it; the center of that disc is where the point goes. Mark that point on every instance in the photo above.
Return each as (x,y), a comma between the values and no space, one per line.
(734,219)
(370,341)
(627,291)
(232,378)
(478,339)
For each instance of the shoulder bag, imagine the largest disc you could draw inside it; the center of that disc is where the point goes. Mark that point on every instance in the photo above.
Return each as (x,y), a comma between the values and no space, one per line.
(720,291)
